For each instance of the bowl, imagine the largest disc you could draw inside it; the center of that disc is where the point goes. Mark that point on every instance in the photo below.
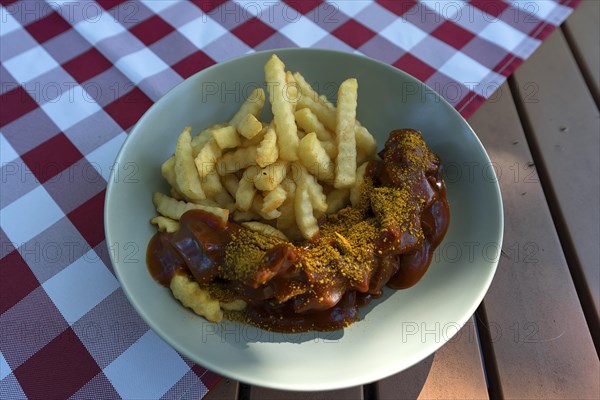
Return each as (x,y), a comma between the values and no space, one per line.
(394,332)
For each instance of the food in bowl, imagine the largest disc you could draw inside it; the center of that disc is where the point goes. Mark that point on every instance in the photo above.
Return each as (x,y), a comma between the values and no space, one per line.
(293,224)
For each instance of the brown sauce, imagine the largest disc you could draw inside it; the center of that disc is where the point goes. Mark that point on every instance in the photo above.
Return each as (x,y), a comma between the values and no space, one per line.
(281,294)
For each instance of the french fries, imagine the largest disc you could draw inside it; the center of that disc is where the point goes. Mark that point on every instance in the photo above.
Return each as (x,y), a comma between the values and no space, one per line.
(249,126)
(203,137)
(237,160)
(308,91)
(283,109)
(168,172)
(267,152)
(337,199)
(365,144)
(174,209)
(231,183)
(275,177)
(165,224)
(324,114)
(356,189)
(304,213)
(345,163)
(270,176)
(287,221)
(253,105)
(274,199)
(315,191)
(189,293)
(207,157)
(227,137)
(264,229)
(186,177)
(309,122)
(258,207)
(244,196)
(314,157)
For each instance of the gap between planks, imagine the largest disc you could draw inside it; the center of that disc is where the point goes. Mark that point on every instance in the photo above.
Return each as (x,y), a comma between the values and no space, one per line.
(566,241)
(582,32)
(558,358)
(488,356)
(579,59)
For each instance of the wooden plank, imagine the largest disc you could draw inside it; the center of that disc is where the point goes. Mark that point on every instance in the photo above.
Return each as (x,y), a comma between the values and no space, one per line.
(225,389)
(583,33)
(454,372)
(540,339)
(563,129)
(260,393)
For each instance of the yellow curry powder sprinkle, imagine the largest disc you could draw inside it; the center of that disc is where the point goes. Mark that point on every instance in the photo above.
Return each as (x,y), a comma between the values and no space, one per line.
(220,291)
(395,207)
(347,240)
(243,254)
(416,155)
(346,246)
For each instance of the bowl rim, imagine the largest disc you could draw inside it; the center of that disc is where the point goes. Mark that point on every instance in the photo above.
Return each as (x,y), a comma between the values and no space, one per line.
(368,376)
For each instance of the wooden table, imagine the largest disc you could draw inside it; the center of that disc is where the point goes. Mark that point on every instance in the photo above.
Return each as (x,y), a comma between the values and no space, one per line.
(536,334)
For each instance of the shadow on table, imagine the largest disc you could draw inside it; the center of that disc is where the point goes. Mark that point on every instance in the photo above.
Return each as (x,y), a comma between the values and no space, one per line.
(240,335)
(406,385)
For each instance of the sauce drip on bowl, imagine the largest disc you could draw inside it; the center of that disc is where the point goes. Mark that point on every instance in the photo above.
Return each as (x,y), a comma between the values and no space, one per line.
(387,239)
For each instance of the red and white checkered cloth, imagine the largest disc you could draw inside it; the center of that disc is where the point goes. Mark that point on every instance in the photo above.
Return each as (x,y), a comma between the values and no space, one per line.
(75,77)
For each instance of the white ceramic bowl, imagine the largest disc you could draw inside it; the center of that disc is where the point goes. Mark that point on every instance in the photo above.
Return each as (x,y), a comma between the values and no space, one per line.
(394,332)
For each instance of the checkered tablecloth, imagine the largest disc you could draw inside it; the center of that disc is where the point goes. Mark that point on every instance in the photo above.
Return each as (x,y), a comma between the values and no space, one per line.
(76,75)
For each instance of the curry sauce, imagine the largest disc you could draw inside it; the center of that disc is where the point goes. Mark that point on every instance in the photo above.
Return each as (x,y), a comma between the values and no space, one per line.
(388,238)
